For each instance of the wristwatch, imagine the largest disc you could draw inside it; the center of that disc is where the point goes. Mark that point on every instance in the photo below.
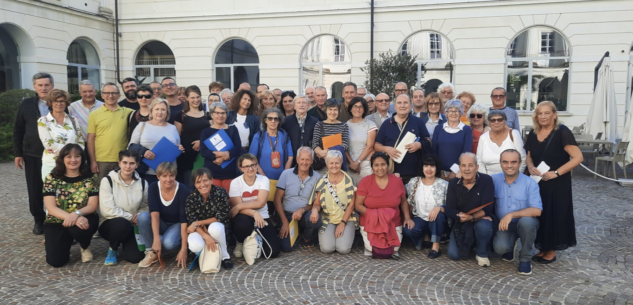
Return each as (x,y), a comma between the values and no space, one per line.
(78,213)
(557,174)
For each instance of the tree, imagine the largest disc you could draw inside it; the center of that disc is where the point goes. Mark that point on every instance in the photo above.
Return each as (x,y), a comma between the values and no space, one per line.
(9,103)
(389,69)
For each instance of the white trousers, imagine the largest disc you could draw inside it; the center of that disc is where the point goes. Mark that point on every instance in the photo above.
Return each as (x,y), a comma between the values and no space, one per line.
(216,230)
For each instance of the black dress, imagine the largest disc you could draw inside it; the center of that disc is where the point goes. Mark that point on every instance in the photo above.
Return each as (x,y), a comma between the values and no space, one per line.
(557,228)
(191,129)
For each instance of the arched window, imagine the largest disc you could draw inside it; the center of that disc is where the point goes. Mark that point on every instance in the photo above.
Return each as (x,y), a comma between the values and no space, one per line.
(83,63)
(537,64)
(9,64)
(326,61)
(154,61)
(433,51)
(236,62)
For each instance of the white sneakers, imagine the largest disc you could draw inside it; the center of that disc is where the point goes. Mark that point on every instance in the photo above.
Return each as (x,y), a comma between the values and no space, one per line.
(86,255)
(150,258)
(238,250)
(482,261)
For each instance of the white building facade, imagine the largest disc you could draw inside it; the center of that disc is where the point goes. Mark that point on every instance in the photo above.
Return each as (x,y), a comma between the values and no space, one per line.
(537,49)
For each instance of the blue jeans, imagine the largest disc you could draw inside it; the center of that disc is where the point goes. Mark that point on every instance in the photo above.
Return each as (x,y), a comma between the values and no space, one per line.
(310,230)
(169,232)
(423,227)
(483,234)
(523,228)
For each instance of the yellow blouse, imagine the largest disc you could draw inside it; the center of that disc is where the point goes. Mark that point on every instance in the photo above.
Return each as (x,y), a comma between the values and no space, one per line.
(337,216)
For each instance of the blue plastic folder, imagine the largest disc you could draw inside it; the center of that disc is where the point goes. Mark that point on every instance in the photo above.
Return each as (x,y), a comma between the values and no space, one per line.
(220,141)
(165,151)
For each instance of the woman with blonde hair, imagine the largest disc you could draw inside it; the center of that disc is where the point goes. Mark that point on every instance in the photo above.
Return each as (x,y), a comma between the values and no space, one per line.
(266,100)
(433,112)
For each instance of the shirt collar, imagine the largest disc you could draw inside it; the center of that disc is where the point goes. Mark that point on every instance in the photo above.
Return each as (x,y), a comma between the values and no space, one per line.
(50,118)
(460,180)
(296,171)
(460,126)
(106,108)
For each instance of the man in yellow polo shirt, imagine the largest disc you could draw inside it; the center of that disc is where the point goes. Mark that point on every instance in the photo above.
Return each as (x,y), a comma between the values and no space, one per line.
(107,132)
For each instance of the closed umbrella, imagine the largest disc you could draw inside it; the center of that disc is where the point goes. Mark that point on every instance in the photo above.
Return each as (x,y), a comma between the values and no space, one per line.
(602,115)
(628,136)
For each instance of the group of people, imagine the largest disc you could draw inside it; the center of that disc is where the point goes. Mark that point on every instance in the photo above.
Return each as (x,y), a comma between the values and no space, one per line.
(429,166)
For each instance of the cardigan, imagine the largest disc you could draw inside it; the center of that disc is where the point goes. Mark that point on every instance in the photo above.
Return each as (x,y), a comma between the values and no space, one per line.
(252,123)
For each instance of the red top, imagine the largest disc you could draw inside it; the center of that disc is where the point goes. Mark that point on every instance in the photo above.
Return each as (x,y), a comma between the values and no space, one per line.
(476,135)
(375,197)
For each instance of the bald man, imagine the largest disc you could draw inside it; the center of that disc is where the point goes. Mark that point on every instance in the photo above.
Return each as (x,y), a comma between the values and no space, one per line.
(244,86)
(401,88)
(382,109)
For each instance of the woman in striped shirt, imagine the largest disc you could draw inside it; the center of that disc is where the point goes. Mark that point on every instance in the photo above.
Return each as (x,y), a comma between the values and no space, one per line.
(328,127)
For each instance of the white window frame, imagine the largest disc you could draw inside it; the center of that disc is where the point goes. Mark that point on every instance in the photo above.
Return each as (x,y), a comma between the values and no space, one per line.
(546,42)
(215,66)
(320,64)
(82,66)
(435,46)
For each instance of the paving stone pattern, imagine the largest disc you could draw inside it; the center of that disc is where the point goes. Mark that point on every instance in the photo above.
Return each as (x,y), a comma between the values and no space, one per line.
(597,271)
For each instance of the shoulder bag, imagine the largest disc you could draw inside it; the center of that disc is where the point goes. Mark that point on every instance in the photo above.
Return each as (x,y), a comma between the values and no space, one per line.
(252,248)
(392,164)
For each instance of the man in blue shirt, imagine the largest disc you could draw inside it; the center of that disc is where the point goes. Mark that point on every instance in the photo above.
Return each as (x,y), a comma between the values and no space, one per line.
(518,203)
(498,97)
(291,200)
(394,129)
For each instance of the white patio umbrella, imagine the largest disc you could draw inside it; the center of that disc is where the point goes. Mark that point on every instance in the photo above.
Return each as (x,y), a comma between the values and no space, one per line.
(628,136)
(602,115)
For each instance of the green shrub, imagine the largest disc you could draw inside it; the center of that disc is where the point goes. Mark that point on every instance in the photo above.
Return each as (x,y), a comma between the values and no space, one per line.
(9,104)
(389,69)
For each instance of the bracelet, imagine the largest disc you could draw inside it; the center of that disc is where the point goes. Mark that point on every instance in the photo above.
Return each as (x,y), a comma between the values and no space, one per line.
(343,221)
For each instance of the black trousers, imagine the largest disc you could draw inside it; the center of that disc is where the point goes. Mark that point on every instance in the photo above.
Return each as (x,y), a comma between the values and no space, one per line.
(59,239)
(243,226)
(120,232)
(34,186)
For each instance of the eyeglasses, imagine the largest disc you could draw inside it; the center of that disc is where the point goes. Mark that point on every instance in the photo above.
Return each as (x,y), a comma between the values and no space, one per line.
(110,93)
(219,113)
(447,92)
(476,115)
(497,96)
(169,85)
(272,119)
(145,96)
(400,90)
(453,112)
(250,167)
(434,104)
(382,101)
(498,120)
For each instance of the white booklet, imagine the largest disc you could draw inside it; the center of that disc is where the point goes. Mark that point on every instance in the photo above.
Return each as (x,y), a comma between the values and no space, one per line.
(406,140)
(543,168)
(455,168)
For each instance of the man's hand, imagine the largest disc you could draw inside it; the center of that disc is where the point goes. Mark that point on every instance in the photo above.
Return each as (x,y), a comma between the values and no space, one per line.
(285,229)
(392,152)
(505,222)
(298,214)
(413,147)
(19,162)
(94,167)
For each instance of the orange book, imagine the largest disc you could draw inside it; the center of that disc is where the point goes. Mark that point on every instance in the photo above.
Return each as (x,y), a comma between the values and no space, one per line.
(331,141)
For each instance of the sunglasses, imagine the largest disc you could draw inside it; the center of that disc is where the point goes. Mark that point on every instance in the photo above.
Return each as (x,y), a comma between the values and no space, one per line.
(272,119)
(476,115)
(498,96)
(498,120)
(382,101)
(145,96)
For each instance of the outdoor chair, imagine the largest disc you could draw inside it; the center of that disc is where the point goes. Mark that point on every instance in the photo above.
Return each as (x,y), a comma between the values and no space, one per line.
(618,156)
(576,130)
(587,148)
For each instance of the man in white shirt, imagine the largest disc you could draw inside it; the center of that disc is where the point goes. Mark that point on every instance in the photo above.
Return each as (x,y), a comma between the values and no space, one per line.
(82,108)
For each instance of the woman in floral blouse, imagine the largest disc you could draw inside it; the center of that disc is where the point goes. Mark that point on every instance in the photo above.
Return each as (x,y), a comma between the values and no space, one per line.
(71,196)
(427,195)
(57,129)
(207,210)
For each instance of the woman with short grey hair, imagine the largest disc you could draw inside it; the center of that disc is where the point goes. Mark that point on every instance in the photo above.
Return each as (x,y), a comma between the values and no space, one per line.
(333,198)
(452,138)
(494,142)
(478,122)
(371,102)
(271,146)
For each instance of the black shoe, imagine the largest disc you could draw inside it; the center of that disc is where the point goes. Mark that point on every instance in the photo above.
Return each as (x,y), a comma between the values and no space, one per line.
(227,264)
(38,228)
(427,245)
(445,238)
(543,261)
(435,254)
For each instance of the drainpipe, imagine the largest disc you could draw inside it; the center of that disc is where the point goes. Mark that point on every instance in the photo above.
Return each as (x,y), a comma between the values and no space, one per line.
(371,51)
(116,38)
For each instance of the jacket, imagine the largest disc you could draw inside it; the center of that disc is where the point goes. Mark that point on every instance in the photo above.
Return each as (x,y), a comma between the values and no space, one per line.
(252,122)
(425,118)
(376,118)
(26,138)
(291,126)
(121,199)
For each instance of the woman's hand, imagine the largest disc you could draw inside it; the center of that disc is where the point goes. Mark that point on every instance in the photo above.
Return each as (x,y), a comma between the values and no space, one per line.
(234,211)
(192,227)
(156,245)
(298,214)
(196,145)
(408,223)
(314,217)
(392,152)
(340,229)
(259,220)
(134,219)
(70,220)
(82,223)
(182,148)
(433,213)
(218,161)
(534,171)
(210,243)
(181,259)
(549,176)
(149,155)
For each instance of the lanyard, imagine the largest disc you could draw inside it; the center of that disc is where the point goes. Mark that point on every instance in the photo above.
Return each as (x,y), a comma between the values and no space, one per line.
(272,146)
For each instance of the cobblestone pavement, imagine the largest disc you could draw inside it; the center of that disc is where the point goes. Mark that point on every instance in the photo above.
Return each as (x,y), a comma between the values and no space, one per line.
(597,271)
